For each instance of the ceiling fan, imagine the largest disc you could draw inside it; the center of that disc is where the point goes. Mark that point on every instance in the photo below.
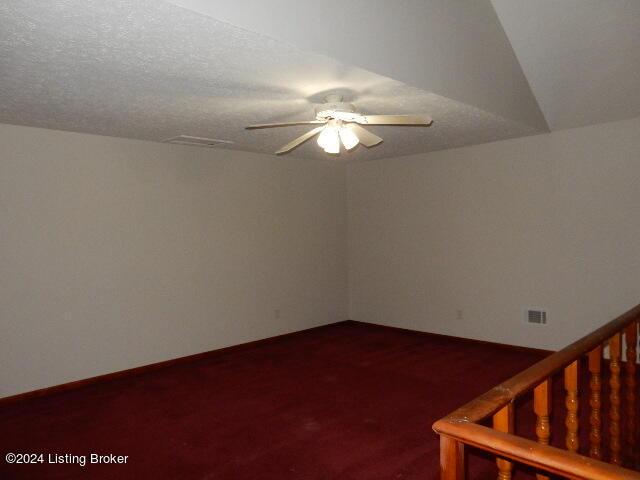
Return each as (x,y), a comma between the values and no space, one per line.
(340,123)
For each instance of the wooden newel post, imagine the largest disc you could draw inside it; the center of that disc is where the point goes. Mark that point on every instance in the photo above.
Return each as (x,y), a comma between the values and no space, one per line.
(503,422)
(451,459)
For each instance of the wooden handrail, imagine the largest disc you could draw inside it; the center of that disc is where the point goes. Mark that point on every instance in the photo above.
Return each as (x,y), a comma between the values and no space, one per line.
(461,425)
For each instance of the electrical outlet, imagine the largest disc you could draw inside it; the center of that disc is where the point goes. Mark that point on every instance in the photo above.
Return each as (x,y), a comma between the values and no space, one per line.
(459,315)
(276,314)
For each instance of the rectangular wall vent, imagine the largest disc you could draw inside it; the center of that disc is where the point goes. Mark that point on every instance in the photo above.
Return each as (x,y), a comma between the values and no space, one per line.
(196,141)
(536,316)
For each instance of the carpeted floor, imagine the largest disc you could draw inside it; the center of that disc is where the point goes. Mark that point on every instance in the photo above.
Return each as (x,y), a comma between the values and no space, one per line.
(349,401)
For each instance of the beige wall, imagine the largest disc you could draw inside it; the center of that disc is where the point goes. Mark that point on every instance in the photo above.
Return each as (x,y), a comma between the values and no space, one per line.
(546,221)
(118,253)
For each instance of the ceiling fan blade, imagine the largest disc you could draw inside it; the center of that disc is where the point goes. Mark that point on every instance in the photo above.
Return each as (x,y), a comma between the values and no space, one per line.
(423,120)
(301,139)
(286,124)
(366,138)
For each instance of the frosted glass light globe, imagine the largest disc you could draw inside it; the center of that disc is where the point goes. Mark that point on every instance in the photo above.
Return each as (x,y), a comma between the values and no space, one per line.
(329,139)
(349,138)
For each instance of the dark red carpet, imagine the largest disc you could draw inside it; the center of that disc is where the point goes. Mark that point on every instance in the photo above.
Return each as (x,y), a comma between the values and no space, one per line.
(349,401)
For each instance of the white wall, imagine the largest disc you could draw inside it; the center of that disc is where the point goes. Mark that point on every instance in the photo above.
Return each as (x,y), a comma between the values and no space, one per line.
(547,221)
(118,253)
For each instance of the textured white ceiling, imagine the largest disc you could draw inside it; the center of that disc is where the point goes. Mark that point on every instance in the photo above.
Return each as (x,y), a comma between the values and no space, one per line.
(151,70)
(582,57)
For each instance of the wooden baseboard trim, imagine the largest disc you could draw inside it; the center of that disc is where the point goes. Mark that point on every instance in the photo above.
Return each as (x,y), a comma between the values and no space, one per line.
(538,351)
(65,387)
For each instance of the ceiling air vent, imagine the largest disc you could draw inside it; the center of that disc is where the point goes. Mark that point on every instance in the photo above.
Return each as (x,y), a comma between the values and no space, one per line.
(536,316)
(196,141)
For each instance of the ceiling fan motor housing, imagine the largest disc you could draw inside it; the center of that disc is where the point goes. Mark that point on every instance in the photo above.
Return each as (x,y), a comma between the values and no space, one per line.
(333,103)
(326,109)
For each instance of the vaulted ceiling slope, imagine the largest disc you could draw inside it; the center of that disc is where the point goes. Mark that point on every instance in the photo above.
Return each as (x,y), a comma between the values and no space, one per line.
(581,57)
(154,69)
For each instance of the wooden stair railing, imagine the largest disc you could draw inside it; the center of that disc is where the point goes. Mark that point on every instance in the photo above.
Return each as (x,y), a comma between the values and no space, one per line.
(617,462)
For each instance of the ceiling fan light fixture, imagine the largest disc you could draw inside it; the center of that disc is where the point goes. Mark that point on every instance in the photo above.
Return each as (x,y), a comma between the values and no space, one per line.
(329,139)
(349,139)
(340,123)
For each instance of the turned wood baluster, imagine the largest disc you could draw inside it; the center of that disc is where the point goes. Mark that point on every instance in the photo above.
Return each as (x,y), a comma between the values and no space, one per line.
(631,336)
(571,402)
(503,422)
(595,401)
(614,398)
(542,409)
